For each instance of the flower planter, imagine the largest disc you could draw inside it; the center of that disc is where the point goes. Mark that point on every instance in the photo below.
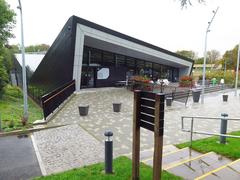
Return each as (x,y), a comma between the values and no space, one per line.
(196,95)
(83,110)
(117,107)
(225,97)
(169,101)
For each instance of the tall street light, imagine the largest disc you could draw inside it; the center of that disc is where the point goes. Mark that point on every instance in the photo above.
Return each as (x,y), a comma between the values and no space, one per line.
(236,79)
(205,55)
(25,100)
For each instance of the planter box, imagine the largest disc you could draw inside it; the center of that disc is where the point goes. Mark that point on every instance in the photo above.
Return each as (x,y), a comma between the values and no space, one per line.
(117,107)
(196,95)
(83,110)
(225,97)
(169,101)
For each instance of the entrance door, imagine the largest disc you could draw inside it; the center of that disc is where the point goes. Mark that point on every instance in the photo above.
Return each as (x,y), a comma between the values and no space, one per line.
(88,77)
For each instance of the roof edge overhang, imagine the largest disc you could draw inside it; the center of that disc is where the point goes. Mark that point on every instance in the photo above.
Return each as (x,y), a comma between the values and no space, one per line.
(126,37)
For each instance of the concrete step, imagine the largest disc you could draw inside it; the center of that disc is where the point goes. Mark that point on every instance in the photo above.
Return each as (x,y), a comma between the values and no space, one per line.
(148,153)
(197,166)
(174,157)
(230,171)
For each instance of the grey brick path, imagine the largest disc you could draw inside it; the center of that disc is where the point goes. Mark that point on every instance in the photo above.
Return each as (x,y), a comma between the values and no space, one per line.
(101,117)
(66,148)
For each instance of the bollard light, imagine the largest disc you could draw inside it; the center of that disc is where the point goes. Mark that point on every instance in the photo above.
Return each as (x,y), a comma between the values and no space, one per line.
(108,151)
(223,128)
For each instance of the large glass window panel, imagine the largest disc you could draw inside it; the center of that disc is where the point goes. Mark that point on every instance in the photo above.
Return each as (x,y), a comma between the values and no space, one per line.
(85,56)
(165,73)
(156,71)
(108,59)
(130,63)
(140,67)
(96,57)
(120,60)
(148,69)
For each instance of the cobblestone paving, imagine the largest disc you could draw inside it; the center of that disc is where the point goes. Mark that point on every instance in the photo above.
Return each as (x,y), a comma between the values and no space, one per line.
(66,148)
(101,116)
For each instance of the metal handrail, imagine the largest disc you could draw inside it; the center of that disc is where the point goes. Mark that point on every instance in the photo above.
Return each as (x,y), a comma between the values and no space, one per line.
(203,132)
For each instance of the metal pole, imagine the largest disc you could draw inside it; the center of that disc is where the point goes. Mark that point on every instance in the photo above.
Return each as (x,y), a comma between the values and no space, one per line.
(25,100)
(191,133)
(205,56)
(236,79)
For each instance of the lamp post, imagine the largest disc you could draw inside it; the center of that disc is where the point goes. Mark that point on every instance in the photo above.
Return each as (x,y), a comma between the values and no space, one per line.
(205,55)
(236,79)
(25,115)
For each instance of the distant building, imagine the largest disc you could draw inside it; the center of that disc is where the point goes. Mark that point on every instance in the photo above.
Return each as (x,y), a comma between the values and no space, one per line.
(96,56)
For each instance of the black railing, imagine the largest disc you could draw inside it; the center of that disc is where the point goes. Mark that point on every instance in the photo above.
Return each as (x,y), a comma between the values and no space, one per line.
(54,99)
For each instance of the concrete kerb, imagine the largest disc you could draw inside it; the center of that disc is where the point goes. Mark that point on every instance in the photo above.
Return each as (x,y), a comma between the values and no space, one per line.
(40,161)
(27,131)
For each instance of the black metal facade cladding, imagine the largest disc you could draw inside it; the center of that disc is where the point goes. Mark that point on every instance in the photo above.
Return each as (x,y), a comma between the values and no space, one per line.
(56,67)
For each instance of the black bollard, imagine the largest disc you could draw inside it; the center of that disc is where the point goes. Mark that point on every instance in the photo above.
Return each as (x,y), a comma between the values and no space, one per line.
(223,129)
(108,152)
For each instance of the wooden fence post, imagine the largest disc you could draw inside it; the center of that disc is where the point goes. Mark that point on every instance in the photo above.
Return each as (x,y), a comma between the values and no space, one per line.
(136,136)
(158,136)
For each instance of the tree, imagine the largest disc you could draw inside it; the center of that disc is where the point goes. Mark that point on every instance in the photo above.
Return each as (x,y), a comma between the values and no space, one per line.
(184,3)
(213,56)
(230,57)
(7,21)
(37,48)
(188,53)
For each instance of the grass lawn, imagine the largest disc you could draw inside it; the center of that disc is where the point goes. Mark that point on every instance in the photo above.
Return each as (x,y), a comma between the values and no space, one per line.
(122,171)
(230,150)
(11,109)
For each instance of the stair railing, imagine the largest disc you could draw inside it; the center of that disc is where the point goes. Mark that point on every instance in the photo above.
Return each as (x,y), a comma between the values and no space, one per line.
(191,131)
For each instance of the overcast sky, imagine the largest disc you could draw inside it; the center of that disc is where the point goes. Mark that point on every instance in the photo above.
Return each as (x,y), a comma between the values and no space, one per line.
(160,22)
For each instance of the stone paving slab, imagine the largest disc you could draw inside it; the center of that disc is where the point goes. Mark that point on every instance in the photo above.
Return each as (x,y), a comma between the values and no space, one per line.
(101,117)
(66,148)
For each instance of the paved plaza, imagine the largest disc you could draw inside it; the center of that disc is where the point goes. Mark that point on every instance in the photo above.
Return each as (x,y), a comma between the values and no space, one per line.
(101,117)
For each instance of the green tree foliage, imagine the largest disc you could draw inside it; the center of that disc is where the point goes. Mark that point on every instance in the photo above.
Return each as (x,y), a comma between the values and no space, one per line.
(230,57)
(213,56)
(37,48)
(185,3)
(7,21)
(188,53)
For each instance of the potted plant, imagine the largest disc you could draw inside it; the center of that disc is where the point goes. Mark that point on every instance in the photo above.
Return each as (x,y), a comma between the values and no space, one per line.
(196,94)
(117,107)
(83,110)
(225,97)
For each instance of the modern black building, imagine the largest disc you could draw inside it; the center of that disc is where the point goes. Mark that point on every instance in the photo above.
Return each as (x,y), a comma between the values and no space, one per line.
(96,56)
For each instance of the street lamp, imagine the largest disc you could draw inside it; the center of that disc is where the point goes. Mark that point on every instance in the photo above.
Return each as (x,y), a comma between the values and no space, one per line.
(236,79)
(205,55)
(25,115)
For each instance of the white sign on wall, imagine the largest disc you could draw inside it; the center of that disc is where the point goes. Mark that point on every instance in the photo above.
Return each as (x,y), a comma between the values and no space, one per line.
(103,73)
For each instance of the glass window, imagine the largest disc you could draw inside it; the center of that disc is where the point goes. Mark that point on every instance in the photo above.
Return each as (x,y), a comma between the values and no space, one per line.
(96,57)
(140,67)
(157,68)
(148,69)
(85,56)
(120,60)
(165,72)
(108,59)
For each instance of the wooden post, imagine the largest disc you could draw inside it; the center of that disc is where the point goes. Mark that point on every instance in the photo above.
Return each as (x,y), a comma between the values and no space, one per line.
(158,136)
(136,136)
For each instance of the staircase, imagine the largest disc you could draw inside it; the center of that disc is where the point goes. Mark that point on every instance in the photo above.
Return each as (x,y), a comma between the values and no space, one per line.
(190,164)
